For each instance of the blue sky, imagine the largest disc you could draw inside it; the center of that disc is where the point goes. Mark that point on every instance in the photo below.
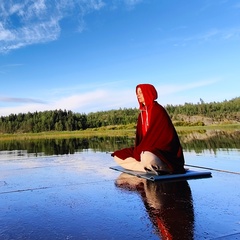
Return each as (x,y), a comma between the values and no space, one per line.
(89,55)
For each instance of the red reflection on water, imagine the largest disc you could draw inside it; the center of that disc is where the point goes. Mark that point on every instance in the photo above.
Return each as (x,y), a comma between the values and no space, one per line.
(168,204)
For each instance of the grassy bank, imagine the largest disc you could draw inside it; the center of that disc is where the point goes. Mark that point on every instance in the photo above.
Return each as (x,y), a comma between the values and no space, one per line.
(108,131)
(68,134)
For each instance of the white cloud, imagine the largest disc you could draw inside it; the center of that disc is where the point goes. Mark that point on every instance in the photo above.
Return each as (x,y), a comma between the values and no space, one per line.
(5,34)
(105,98)
(28,22)
(40,33)
(80,101)
(91,101)
(32,22)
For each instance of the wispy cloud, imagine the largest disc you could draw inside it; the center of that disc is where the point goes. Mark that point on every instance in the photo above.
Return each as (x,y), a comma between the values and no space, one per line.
(87,102)
(224,34)
(32,22)
(104,98)
(20,100)
(208,36)
(25,22)
(170,89)
(5,68)
(92,100)
(83,87)
(176,94)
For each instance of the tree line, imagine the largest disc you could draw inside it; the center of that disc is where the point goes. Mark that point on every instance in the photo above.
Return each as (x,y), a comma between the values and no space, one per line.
(63,120)
(217,111)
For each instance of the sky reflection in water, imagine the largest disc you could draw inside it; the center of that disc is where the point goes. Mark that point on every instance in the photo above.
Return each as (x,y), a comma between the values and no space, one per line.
(64,189)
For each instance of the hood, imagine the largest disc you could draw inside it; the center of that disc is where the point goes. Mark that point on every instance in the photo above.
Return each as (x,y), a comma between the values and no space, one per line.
(149,93)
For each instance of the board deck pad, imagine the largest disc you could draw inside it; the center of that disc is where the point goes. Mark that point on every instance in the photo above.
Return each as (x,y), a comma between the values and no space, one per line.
(189,174)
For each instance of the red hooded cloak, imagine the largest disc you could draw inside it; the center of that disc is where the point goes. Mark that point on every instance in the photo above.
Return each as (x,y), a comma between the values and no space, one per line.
(155,133)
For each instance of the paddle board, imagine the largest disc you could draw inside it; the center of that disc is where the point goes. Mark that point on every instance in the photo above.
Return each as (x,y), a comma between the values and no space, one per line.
(189,174)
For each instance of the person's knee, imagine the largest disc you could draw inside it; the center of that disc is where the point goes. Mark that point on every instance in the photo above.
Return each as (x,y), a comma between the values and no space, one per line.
(128,160)
(152,162)
(117,159)
(148,157)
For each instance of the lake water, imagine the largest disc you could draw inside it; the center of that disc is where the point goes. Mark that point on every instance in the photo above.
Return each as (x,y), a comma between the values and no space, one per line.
(64,189)
(211,149)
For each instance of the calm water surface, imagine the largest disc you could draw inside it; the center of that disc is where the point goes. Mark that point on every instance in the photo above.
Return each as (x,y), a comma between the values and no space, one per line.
(64,189)
(213,149)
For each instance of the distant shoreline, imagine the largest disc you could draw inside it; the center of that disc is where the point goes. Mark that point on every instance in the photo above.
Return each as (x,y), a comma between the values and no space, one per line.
(110,131)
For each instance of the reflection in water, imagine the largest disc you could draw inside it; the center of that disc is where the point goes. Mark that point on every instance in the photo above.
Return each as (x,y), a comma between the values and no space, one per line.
(169,205)
(211,140)
(65,146)
(196,141)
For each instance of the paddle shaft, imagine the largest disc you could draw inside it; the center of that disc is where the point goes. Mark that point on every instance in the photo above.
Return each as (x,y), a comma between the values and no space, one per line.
(213,169)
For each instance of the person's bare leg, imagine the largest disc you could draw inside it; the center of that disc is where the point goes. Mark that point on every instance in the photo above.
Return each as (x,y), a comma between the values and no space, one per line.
(151,162)
(130,164)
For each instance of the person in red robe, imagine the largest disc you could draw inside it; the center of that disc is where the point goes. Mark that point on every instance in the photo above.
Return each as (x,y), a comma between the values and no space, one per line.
(157,147)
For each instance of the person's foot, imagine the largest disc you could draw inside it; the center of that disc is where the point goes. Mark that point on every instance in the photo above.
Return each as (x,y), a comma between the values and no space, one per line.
(156,171)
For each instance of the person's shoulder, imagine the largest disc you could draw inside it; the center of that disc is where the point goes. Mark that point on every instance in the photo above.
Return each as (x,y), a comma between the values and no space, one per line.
(158,106)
